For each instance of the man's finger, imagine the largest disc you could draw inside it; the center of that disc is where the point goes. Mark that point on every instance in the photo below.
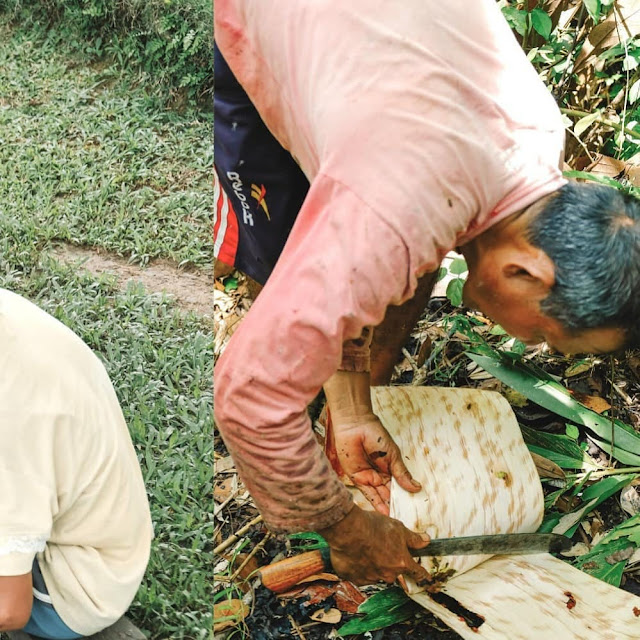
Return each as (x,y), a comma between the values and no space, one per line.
(417,540)
(374,498)
(402,475)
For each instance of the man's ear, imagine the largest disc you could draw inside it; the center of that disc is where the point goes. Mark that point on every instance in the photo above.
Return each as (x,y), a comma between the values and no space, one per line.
(531,270)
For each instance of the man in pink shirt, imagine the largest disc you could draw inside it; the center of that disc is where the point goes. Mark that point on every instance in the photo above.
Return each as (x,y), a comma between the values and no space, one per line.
(419,127)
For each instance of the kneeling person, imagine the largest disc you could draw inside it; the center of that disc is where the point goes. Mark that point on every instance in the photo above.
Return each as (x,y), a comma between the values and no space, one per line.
(75,526)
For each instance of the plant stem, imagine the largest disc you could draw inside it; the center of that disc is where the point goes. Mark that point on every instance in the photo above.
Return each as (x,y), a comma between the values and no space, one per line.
(601,120)
(610,472)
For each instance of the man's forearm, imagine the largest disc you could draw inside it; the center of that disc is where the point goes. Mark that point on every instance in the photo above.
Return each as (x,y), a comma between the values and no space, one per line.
(348,395)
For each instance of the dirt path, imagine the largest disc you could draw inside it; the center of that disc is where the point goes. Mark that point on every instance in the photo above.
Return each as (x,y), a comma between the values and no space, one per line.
(192,290)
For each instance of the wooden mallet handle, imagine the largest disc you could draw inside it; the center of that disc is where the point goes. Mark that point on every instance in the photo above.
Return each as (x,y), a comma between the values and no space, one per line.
(281,576)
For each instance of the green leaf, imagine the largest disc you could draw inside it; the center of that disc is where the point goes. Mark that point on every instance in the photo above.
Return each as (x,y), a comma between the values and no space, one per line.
(384,600)
(517,19)
(309,540)
(230,283)
(595,562)
(454,291)
(541,22)
(593,8)
(606,487)
(572,431)
(594,177)
(554,397)
(628,529)
(619,454)
(593,496)
(458,266)
(584,123)
(382,610)
(442,272)
(564,451)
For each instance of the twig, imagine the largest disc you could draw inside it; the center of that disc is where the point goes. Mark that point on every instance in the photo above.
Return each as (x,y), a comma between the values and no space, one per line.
(236,536)
(219,507)
(255,550)
(625,396)
(296,628)
(601,120)
(411,360)
(613,424)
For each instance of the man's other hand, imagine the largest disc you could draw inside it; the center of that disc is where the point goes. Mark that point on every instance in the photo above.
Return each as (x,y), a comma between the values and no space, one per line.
(370,457)
(367,547)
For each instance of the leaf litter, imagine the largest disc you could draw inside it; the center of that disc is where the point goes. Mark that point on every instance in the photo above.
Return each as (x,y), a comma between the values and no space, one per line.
(588,456)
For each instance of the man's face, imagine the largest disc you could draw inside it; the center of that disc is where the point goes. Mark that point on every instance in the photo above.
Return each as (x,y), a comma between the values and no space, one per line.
(522,318)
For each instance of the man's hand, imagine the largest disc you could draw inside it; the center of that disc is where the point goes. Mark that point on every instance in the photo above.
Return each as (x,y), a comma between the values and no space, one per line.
(367,547)
(365,450)
(370,458)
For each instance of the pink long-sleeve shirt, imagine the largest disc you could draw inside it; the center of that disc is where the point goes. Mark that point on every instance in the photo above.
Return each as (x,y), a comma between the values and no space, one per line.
(419,124)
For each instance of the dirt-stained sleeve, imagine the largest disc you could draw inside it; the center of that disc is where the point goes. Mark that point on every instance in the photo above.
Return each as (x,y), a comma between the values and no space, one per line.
(356,354)
(341,268)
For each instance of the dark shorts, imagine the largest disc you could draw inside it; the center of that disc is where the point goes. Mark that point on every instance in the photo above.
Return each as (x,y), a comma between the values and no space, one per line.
(259,188)
(45,621)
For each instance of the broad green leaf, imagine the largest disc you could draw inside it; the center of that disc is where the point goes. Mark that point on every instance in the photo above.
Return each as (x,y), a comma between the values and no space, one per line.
(458,266)
(595,562)
(442,272)
(628,529)
(594,495)
(562,450)
(611,573)
(619,454)
(554,397)
(454,291)
(384,600)
(382,609)
(593,7)
(605,488)
(371,622)
(564,461)
(541,22)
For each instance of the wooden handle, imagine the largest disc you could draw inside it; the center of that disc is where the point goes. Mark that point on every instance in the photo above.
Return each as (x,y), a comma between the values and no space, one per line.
(283,575)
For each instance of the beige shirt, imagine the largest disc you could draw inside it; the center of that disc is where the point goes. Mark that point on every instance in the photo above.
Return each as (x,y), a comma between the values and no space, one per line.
(419,124)
(72,490)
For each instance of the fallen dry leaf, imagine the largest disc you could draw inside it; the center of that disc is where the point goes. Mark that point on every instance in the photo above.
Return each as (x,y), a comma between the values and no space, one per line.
(576,369)
(348,597)
(331,616)
(329,577)
(546,468)
(235,610)
(619,556)
(515,398)
(316,593)
(424,352)
(630,500)
(595,403)
(223,464)
(623,23)
(225,488)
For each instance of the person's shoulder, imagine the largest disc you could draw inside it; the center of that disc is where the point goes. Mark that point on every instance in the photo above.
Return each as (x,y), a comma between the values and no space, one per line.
(39,353)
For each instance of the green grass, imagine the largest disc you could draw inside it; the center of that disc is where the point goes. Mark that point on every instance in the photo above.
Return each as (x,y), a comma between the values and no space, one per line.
(88,156)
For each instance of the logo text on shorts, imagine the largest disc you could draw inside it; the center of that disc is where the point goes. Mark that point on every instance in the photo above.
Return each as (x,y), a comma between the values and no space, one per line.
(236,184)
